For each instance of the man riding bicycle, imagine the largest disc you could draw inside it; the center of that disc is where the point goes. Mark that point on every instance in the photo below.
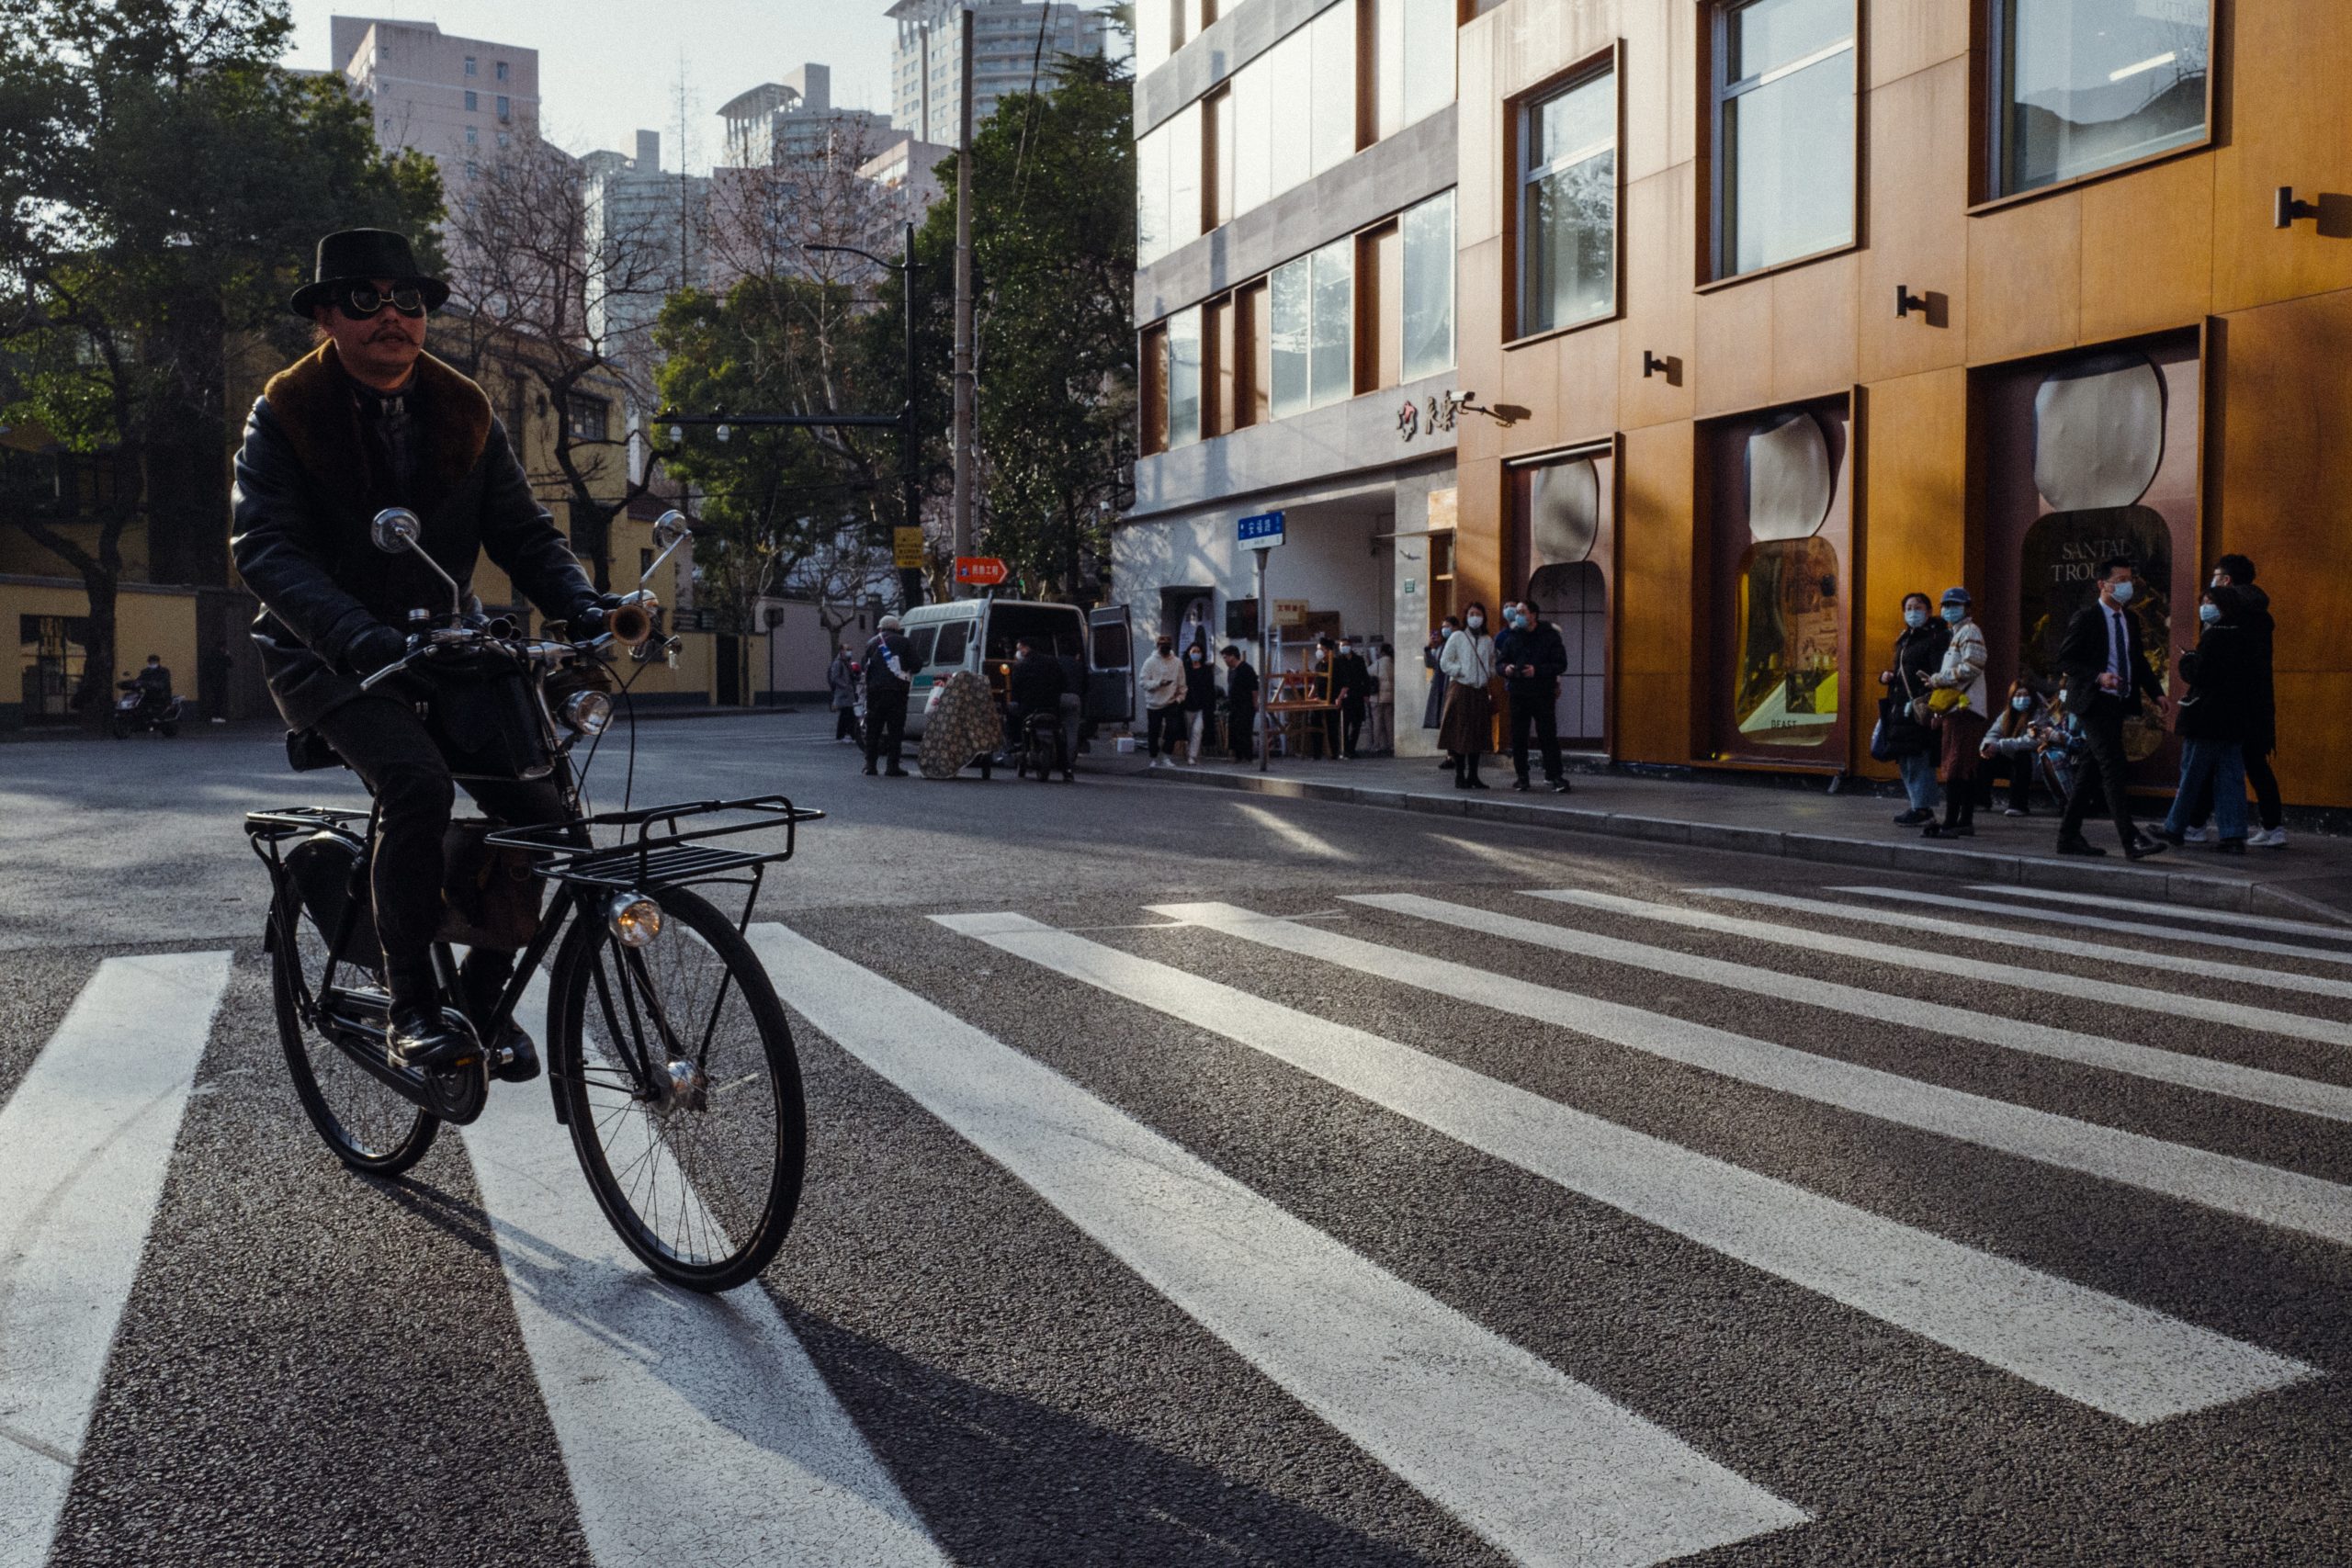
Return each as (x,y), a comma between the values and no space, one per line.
(367,421)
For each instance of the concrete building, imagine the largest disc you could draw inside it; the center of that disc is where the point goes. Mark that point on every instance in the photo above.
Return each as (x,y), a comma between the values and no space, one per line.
(795,118)
(906,172)
(645,230)
(926,60)
(459,100)
(1295,236)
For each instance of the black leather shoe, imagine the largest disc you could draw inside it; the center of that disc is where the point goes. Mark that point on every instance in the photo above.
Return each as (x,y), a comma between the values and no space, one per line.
(2166,834)
(428,1039)
(1913,817)
(894,771)
(1519,784)
(514,1056)
(869,770)
(2075,844)
(1561,786)
(2143,847)
(2229,847)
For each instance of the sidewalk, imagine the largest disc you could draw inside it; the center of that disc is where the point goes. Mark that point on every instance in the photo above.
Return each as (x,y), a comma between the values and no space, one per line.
(2311,877)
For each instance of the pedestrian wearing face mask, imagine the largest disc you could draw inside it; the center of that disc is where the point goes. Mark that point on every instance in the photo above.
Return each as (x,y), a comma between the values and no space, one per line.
(1433,711)
(1200,698)
(2109,680)
(1162,679)
(1532,659)
(2253,619)
(1919,654)
(1467,724)
(1384,698)
(2013,745)
(2213,722)
(1956,696)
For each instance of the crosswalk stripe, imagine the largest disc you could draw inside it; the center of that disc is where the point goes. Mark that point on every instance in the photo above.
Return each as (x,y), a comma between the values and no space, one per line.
(2171,911)
(2284,1090)
(673,1410)
(2165,1004)
(1544,1468)
(2101,923)
(2281,1197)
(85,1145)
(2127,1360)
(1927,925)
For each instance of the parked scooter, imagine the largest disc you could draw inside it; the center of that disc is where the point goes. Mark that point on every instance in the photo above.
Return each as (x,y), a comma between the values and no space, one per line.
(142,709)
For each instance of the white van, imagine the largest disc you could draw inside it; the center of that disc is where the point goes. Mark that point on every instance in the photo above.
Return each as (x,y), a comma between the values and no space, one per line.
(979,634)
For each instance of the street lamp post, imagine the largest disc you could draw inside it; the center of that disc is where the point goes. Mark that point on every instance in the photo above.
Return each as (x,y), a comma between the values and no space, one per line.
(903,421)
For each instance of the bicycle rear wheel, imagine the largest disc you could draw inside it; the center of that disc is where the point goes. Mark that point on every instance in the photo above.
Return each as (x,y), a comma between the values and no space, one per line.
(682,1091)
(369,1125)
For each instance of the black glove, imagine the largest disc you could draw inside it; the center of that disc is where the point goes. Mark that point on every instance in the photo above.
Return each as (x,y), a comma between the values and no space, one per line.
(587,618)
(374,648)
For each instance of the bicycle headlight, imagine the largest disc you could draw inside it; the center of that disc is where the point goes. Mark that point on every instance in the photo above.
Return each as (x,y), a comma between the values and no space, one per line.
(635,919)
(587,712)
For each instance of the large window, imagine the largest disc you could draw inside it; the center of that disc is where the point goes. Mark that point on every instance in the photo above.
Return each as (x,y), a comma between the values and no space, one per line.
(1184,376)
(1784,131)
(1428,287)
(2085,84)
(1312,302)
(1567,211)
(1168,185)
(1413,55)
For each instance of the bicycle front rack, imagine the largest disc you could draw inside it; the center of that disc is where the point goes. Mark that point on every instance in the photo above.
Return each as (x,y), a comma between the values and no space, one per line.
(667,859)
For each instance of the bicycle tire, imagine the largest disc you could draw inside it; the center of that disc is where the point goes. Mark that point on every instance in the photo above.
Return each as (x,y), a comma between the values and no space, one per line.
(388,1148)
(591,971)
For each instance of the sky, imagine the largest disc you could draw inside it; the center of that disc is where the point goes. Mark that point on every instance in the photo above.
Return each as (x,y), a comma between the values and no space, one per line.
(604,72)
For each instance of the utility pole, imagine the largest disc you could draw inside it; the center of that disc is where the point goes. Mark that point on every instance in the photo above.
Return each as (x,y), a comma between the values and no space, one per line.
(909,447)
(964,390)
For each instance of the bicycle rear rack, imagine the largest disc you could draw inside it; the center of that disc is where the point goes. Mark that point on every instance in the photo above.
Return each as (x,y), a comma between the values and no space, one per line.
(286,821)
(668,859)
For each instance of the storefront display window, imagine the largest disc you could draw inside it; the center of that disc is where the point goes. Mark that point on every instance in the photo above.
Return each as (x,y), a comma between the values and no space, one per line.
(1779,488)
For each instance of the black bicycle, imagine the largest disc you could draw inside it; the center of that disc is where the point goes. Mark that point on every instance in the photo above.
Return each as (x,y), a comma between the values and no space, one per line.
(668,1056)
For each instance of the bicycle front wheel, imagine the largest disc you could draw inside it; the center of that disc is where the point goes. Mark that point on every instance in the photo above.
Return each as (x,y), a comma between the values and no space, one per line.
(682,1091)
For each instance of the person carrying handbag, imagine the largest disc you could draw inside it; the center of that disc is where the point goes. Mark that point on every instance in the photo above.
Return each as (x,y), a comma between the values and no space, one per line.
(1902,736)
(1956,698)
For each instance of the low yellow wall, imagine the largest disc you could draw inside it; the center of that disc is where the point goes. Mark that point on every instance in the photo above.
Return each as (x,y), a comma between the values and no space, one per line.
(146,621)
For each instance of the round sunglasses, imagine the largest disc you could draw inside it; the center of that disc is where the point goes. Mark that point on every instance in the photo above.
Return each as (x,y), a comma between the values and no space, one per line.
(359,301)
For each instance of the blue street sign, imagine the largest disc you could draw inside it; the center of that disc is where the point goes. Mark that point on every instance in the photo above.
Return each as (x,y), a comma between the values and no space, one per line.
(1259,530)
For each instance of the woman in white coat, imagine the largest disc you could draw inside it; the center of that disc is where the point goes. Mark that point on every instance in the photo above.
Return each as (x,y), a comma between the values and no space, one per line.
(1467,663)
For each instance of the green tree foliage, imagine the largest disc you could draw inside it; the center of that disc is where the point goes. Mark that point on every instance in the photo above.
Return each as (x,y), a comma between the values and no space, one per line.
(781,507)
(1054,263)
(163,181)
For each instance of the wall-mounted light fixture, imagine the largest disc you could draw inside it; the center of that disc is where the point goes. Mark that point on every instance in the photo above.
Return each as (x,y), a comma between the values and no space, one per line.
(1906,302)
(2285,209)
(1653,366)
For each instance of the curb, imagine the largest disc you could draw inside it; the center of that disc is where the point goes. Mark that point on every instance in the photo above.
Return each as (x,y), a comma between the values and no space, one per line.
(1874,854)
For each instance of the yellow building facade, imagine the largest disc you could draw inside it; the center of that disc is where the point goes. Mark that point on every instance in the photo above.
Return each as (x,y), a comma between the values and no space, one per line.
(1784,308)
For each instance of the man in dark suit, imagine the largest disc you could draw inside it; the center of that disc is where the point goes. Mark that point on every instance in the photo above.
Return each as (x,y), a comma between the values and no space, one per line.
(2108,681)
(1240,705)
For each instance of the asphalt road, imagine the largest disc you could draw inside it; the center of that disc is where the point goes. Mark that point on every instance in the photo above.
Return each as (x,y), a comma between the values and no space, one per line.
(1206,1213)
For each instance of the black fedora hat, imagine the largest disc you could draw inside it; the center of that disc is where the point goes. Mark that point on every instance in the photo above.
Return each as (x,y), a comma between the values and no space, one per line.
(360,254)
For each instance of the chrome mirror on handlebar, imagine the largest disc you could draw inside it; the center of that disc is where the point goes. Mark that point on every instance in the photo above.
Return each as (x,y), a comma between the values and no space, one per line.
(670,530)
(396,529)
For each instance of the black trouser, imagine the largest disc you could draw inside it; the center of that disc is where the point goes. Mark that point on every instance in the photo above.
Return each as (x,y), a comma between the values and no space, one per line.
(1240,722)
(1164,729)
(886,725)
(388,745)
(2020,765)
(845,723)
(2100,767)
(1351,712)
(1538,716)
(2266,794)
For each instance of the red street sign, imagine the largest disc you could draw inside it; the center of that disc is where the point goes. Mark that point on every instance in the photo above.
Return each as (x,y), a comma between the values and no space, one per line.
(982,571)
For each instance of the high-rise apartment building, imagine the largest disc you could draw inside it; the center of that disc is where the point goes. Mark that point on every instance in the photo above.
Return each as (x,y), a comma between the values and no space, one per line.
(795,118)
(645,232)
(1014,44)
(459,100)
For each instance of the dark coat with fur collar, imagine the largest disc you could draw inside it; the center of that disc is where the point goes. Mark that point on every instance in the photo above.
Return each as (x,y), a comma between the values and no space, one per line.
(305,496)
